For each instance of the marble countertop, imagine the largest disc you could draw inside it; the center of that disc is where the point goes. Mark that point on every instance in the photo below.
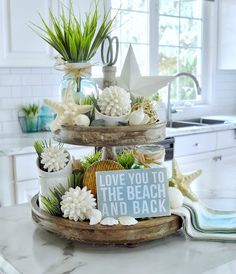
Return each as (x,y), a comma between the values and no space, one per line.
(26,249)
(23,143)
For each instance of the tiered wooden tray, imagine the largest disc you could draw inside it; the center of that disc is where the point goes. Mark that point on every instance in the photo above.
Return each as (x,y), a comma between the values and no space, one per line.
(108,138)
(143,231)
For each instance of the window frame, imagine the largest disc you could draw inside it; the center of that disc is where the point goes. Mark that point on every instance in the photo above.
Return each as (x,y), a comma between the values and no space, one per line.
(206,68)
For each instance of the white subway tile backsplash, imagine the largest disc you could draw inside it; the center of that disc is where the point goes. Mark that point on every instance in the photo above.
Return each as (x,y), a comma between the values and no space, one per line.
(31,79)
(10,103)
(51,79)
(4,70)
(10,80)
(41,70)
(11,127)
(44,91)
(19,86)
(20,70)
(21,91)
(6,115)
(5,92)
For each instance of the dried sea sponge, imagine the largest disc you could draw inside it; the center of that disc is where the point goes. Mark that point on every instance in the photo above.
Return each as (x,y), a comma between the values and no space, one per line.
(90,174)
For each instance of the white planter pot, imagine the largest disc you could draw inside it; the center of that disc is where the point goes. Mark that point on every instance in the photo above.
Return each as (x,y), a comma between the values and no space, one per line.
(49,180)
(110,120)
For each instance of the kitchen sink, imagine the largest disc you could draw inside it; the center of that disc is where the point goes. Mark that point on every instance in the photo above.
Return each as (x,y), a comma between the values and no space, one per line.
(180,124)
(205,121)
(194,122)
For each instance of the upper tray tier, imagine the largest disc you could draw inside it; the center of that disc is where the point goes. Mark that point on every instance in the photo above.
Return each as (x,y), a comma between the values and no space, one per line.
(111,136)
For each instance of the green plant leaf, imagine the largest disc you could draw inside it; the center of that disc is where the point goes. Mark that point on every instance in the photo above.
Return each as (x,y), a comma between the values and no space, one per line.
(74,40)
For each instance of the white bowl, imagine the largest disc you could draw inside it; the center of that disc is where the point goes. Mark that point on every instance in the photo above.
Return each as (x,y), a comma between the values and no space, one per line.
(111,120)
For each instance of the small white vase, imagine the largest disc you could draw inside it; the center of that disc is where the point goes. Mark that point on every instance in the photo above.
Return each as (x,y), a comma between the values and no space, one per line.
(111,120)
(50,180)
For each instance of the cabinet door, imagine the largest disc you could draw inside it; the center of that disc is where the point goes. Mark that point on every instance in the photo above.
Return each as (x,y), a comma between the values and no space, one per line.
(25,190)
(225,173)
(20,45)
(203,186)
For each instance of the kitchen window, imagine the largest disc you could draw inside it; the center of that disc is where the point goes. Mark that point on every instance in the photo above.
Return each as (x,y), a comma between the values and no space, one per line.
(167,37)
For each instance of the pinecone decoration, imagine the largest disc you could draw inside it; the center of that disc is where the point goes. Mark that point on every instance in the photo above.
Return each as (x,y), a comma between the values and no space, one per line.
(54,158)
(114,101)
(77,204)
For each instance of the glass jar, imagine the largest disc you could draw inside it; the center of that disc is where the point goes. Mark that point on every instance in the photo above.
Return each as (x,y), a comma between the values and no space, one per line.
(78,78)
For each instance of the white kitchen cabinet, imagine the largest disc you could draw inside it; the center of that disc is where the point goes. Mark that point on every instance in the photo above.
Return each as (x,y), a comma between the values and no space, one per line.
(19,175)
(225,173)
(25,190)
(20,45)
(218,162)
(226,34)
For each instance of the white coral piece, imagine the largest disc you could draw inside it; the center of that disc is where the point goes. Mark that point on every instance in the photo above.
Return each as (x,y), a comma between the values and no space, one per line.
(114,101)
(54,158)
(77,204)
(176,197)
(109,221)
(127,220)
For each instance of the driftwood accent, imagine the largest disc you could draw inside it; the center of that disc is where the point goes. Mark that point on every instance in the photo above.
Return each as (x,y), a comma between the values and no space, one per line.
(111,136)
(145,230)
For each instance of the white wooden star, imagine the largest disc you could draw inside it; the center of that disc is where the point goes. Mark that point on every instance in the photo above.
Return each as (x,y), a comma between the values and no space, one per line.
(131,79)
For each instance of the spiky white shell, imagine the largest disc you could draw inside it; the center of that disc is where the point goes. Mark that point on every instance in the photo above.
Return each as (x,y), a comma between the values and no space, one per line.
(54,158)
(138,117)
(109,221)
(127,220)
(77,204)
(81,120)
(95,216)
(176,198)
(114,101)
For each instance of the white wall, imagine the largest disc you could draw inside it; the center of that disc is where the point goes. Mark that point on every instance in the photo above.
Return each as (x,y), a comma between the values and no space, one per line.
(20,86)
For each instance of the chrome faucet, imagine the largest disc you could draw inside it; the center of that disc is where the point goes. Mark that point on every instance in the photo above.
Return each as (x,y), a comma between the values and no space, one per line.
(169,109)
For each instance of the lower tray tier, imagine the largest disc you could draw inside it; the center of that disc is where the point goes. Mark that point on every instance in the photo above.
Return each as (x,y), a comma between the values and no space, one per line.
(144,230)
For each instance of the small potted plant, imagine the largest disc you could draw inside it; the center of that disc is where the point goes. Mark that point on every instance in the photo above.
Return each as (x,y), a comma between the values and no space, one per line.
(76,41)
(54,166)
(29,118)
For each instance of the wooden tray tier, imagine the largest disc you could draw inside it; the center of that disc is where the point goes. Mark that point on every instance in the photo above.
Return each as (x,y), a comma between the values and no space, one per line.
(145,230)
(111,136)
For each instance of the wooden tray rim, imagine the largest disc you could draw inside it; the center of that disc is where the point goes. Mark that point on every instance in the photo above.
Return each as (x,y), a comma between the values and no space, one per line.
(85,224)
(113,128)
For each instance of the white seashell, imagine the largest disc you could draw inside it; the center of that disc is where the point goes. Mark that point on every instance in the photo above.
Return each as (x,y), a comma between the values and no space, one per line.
(95,216)
(136,117)
(176,198)
(127,220)
(81,120)
(146,119)
(109,221)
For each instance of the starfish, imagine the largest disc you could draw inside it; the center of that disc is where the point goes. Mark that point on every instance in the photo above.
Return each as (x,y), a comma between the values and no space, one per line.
(182,182)
(67,110)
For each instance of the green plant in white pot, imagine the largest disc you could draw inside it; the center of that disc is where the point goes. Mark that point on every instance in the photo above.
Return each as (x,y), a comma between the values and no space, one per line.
(29,120)
(54,166)
(76,41)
